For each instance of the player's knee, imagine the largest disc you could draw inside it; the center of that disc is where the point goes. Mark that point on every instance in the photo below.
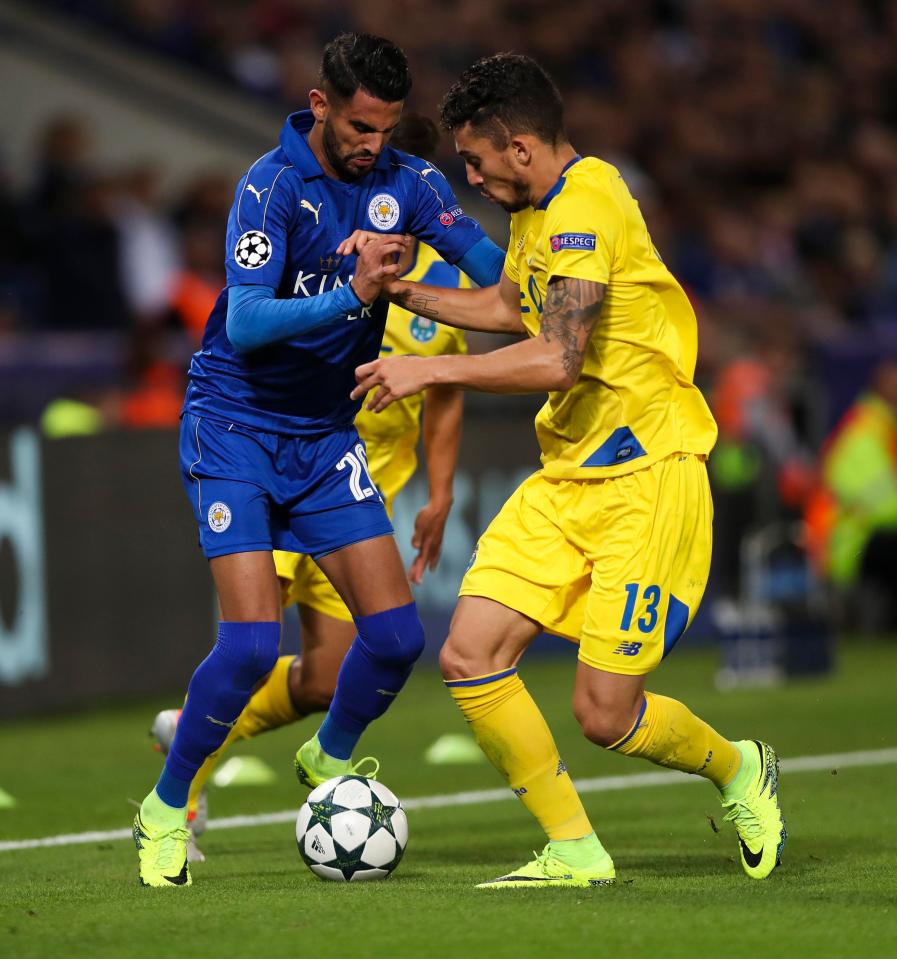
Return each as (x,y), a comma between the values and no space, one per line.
(602,725)
(457,660)
(251,648)
(602,730)
(395,636)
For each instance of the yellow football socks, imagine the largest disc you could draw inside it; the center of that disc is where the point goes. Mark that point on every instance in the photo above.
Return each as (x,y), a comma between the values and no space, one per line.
(269,708)
(669,734)
(511,731)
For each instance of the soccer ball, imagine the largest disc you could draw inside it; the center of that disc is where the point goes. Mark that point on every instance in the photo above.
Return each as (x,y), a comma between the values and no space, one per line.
(351,829)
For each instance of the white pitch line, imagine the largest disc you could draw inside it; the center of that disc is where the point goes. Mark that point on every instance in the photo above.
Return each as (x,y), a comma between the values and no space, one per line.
(798,764)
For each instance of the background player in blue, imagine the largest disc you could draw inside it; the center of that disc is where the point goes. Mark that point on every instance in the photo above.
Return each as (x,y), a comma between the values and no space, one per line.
(269,455)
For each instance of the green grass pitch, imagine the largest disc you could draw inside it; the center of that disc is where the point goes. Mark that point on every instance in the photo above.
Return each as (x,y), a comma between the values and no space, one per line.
(680,891)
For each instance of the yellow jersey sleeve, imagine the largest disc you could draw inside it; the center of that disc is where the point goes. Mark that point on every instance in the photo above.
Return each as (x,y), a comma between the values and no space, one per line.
(582,235)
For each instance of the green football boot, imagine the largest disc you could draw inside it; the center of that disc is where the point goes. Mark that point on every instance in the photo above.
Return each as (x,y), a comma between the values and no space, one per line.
(163,730)
(314,766)
(163,855)
(547,870)
(756,815)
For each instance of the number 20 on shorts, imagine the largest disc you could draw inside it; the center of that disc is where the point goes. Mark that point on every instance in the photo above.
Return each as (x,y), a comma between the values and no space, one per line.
(360,482)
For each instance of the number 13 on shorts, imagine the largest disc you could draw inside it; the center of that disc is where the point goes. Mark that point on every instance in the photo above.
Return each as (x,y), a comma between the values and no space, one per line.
(652,620)
(651,597)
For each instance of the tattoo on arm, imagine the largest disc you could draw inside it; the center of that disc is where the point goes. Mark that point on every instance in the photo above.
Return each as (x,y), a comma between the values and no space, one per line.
(420,303)
(572,308)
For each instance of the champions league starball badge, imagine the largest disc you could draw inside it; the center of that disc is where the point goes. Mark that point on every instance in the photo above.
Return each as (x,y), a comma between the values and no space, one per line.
(253,250)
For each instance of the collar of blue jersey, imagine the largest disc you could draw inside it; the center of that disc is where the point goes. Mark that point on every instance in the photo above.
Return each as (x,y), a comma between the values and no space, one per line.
(293,139)
(559,185)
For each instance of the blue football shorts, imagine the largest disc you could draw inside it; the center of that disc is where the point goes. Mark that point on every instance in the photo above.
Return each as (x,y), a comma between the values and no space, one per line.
(259,491)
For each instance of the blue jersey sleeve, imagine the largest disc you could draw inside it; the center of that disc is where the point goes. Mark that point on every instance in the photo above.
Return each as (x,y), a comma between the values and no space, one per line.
(483,262)
(259,225)
(437,218)
(255,318)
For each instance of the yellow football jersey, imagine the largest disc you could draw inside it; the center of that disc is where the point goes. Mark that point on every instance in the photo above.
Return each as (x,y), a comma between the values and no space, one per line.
(391,436)
(635,401)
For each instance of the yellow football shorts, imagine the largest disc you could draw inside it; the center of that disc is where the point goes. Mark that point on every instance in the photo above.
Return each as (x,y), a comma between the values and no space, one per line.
(301,579)
(617,565)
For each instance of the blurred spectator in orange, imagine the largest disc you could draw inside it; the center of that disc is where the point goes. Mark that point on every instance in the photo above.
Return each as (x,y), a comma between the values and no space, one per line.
(158,376)
(196,287)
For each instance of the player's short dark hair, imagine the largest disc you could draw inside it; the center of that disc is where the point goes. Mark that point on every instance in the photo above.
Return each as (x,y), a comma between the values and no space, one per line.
(416,134)
(502,95)
(354,61)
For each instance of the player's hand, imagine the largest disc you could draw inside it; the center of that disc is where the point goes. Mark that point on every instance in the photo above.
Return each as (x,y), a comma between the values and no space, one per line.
(394,289)
(396,377)
(360,239)
(429,528)
(376,263)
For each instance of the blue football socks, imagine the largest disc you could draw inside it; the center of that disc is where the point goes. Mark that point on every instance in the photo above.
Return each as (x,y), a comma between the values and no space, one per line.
(374,671)
(218,691)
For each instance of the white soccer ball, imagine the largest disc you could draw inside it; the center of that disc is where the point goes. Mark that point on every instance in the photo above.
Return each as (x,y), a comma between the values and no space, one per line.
(351,829)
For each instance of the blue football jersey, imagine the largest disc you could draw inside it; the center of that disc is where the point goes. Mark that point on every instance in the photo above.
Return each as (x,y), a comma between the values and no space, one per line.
(287,220)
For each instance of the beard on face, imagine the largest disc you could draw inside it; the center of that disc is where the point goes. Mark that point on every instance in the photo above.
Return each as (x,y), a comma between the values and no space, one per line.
(339,162)
(520,199)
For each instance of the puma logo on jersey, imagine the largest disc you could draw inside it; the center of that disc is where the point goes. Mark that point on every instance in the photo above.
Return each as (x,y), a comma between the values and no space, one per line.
(258,195)
(305,205)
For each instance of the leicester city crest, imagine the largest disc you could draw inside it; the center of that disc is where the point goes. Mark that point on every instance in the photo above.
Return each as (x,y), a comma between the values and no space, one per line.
(219,517)
(383,211)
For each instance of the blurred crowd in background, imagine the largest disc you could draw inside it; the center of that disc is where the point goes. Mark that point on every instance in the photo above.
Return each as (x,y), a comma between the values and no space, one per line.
(760,137)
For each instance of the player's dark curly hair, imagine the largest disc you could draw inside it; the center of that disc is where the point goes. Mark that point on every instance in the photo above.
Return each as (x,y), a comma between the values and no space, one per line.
(416,134)
(502,95)
(354,61)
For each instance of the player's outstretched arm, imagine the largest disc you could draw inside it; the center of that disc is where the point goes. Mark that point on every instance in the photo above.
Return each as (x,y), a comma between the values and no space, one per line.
(492,309)
(256,318)
(548,362)
(443,410)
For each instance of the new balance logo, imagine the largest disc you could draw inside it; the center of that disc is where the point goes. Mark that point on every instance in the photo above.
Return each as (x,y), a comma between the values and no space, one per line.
(628,648)
(520,792)
(252,189)
(562,768)
(305,205)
